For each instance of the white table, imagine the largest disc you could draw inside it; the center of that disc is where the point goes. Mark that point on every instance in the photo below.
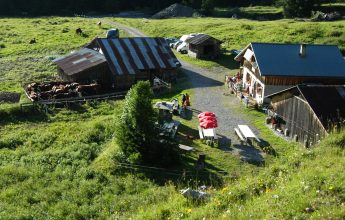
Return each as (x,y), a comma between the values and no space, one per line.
(246,131)
(209,132)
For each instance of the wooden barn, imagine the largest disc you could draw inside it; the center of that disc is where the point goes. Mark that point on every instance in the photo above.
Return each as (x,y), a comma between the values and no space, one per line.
(119,63)
(203,46)
(267,68)
(308,113)
(84,66)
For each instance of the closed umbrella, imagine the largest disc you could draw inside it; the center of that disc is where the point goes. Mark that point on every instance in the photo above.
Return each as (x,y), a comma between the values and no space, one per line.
(203,114)
(207,118)
(208,124)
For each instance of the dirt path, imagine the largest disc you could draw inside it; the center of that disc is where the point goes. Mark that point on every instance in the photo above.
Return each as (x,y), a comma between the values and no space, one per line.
(209,90)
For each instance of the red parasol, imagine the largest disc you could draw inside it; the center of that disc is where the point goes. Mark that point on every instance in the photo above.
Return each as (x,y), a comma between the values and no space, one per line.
(203,114)
(207,118)
(208,124)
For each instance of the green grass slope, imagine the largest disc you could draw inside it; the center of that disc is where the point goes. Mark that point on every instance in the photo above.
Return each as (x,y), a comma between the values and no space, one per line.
(236,34)
(63,164)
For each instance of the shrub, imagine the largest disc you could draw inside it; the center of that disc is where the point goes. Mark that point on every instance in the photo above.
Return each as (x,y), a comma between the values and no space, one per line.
(207,6)
(299,8)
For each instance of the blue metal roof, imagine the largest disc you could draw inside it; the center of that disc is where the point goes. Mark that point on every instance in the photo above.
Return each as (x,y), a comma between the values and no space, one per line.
(284,60)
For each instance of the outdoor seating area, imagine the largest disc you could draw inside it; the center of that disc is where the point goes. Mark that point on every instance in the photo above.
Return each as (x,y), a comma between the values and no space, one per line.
(207,125)
(169,129)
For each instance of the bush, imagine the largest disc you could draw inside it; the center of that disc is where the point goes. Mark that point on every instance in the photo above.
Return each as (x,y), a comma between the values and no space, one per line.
(207,6)
(299,8)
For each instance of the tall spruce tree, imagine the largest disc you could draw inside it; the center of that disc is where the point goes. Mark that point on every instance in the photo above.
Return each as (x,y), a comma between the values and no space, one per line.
(135,133)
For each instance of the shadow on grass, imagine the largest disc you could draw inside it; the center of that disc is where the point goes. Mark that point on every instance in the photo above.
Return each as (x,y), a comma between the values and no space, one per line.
(16,114)
(184,171)
(227,60)
(267,148)
(249,154)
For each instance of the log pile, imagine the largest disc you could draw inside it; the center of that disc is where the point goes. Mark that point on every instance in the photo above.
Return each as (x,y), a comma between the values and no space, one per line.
(60,90)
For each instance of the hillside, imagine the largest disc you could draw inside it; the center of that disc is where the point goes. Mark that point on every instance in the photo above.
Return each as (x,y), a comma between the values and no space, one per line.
(237,34)
(63,164)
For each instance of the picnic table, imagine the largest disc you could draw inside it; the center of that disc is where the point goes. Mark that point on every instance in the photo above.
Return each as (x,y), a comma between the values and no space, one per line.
(170,128)
(245,133)
(208,134)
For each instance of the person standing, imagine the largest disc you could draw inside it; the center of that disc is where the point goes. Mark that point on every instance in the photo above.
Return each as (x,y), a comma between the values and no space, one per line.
(183,99)
(187,100)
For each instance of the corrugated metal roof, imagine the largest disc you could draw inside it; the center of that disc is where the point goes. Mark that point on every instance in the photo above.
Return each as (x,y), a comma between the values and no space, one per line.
(132,55)
(200,39)
(284,60)
(79,61)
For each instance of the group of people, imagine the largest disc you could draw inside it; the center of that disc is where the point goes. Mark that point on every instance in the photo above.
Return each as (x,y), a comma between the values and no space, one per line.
(185,100)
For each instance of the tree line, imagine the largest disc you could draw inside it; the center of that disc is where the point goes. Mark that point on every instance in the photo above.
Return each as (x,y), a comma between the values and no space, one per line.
(70,7)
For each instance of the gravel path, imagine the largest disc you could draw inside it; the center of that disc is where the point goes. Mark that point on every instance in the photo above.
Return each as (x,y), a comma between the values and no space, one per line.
(209,95)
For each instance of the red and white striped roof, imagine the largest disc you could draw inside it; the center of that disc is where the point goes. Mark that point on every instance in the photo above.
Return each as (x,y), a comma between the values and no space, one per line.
(133,55)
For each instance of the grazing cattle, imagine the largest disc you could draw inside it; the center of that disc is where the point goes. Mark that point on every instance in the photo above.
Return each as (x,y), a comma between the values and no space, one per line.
(79,31)
(88,89)
(33,96)
(99,24)
(32,41)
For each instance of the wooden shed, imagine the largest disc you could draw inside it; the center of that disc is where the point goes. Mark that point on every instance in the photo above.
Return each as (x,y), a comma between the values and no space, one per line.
(203,46)
(84,66)
(119,63)
(267,68)
(309,113)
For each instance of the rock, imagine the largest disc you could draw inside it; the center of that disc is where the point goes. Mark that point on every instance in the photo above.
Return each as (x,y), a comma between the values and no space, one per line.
(309,209)
(175,10)
(194,194)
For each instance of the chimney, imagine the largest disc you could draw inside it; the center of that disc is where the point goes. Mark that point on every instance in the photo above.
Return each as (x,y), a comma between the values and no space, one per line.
(303,50)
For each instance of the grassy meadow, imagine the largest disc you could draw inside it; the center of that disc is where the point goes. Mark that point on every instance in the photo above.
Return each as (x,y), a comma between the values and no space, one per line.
(63,164)
(237,33)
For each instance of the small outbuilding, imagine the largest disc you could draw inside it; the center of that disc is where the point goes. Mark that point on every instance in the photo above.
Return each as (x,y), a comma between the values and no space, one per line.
(84,66)
(120,62)
(267,68)
(308,113)
(203,46)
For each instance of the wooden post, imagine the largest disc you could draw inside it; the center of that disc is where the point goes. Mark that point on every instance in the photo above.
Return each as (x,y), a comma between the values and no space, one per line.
(200,164)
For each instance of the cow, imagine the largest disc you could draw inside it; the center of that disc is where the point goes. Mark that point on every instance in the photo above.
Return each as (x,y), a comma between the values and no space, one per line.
(79,31)
(32,41)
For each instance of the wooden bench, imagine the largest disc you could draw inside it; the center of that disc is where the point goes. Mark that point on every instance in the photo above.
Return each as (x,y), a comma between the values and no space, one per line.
(185,148)
(201,135)
(238,133)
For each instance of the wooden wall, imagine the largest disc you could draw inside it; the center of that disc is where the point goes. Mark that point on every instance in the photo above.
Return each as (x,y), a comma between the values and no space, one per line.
(299,119)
